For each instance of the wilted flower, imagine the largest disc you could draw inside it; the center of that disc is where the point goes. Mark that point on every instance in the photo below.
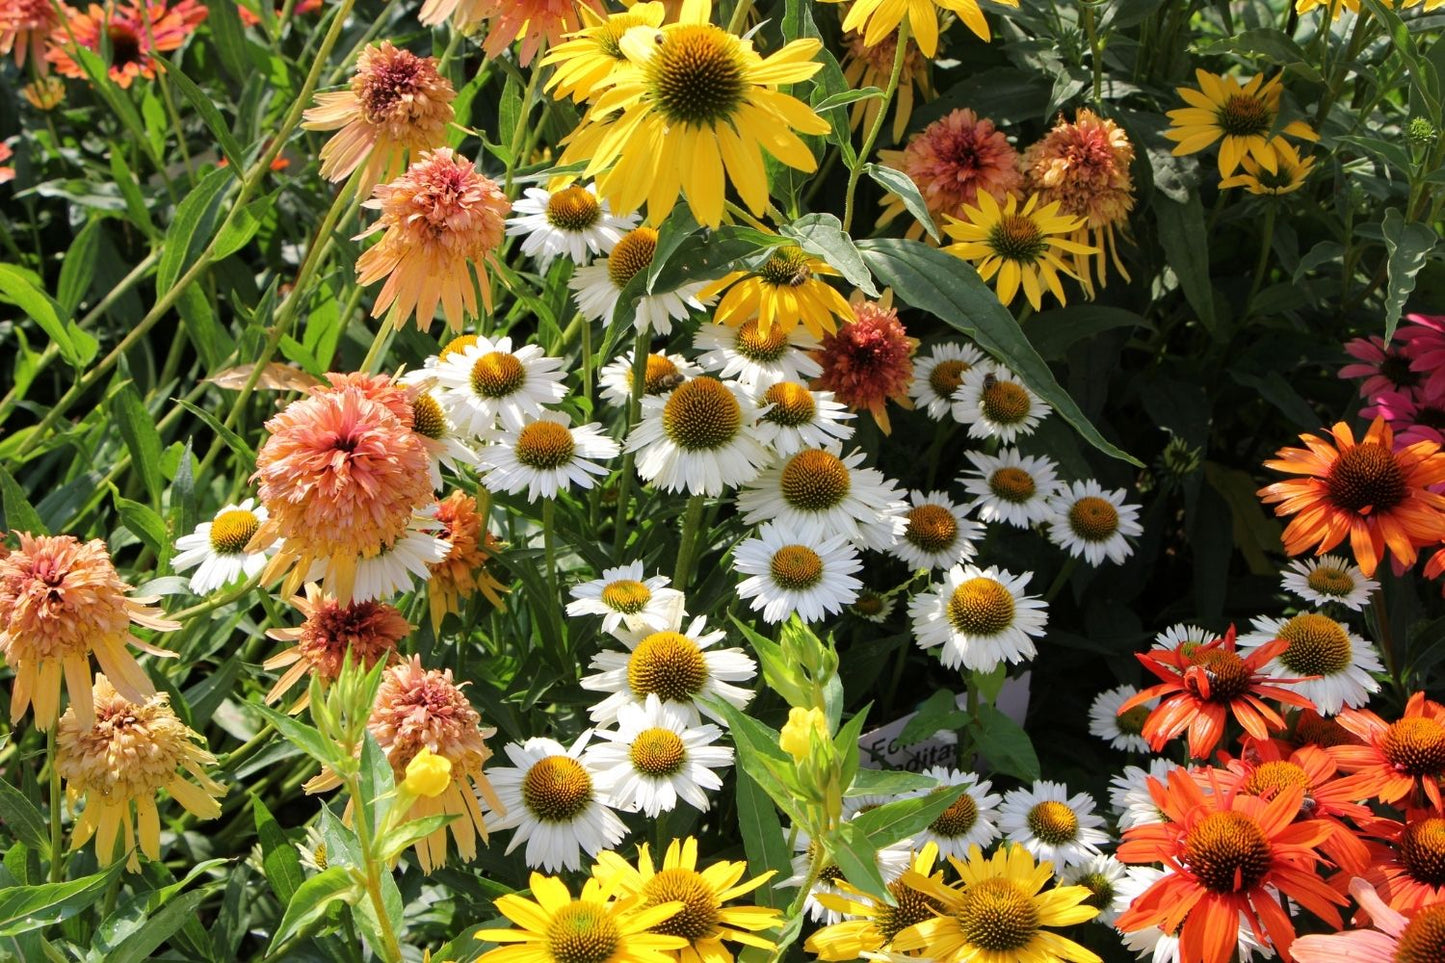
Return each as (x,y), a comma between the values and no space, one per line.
(46,93)
(61,600)
(132,33)
(125,754)
(1289,174)
(869,361)
(366,631)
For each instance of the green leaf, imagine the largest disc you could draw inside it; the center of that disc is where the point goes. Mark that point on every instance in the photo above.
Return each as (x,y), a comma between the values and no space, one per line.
(900,184)
(394,843)
(243,227)
(234,441)
(19,515)
(950,289)
(1054,331)
(229,37)
(129,187)
(302,736)
(679,226)
(781,676)
(1409,246)
(939,711)
(1186,247)
(759,754)
(16,287)
(138,427)
(26,908)
(821,235)
(901,818)
(145,524)
(1005,745)
(311,900)
(78,268)
(192,228)
(848,846)
(762,833)
(377,781)
(174,914)
(279,859)
(206,107)
(845,97)
(23,818)
(888,782)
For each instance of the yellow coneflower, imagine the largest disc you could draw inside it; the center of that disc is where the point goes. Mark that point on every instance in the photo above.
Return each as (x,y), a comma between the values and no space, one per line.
(871,924)
(1289,174)
(785,290)
(60,600)
(587,59)
(876,19)
(1020,246)
(691,113)
(1240,117)
(121,758)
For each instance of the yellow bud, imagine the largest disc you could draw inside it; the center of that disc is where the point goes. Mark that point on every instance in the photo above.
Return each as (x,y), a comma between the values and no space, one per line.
(428,774)
(795,739)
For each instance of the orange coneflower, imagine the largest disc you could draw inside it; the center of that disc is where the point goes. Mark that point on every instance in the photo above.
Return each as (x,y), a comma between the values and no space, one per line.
(1203,684)
(465,570)
(397,104)
(1376,495)
(133,33)
(1408,866)
(418,709)
(61,600)
(1400,760)
(367,631)
(533,21)
(24,27)
(1226,854)
(868,361)
(442,219)
(7,173)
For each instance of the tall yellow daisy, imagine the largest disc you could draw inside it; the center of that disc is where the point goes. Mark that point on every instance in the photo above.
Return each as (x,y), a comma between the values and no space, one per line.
(1289,174)
(690,114)
(784,290)
(1019,246)
(588,58)
(871,924)
(704,922)
(998,912)
(876,19)
(594,928)
(1243,116)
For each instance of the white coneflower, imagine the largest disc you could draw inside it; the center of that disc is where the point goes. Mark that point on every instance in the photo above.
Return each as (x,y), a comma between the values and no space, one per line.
(658,755)
(1053,825)
(1329,578)
(1129,794)
(872,605)
(937,533)
(892,862)
(1336,667)
(1100,875)
(546,456)
(217,549)
(487,381)
(1011,487)
(756,359)
(570,221)
(553,804)
(788,574)
(677,665)
(1093,524)
(939,374)
(391,571)
(661,373)
(438,434)
(794,418)
(1182,633)
(994,403)
(1120,731)
(598,286)
(819,492)
(623,596)
(980,617)
(698,439)
(968,822)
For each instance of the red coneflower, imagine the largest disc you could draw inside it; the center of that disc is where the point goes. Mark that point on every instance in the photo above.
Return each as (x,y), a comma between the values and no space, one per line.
(1400,760)
(132,31)
(1203,684)
(1368,491)
(868,361)
(1226,854)
(367,631)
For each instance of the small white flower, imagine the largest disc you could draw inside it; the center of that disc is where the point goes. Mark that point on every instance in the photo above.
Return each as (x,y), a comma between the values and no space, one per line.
(818,492)
(622,596)
(970,821)
(788,574)
(662,373)
(1100,875)
(794,418)
(487,381)
(1335,664)
(1180,633)
(218,547)
(872,606)
(438,435)
(570,221)
(754,359)
(679,666)
(1093,524)
(546,456)
(392,570)
(937,535)
(552,801)
(994,403)
(980,617)
(698,438)
(1121,732)
(597,286)
(658,755)
(1329,578)
(1053,825)
(939,374)
(1010,487)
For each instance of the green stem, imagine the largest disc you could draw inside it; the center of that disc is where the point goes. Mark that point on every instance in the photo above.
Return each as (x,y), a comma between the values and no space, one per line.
(634,411)
(549,542)
(519,132)
(1096,50)
(56,858)
(900,53)
(740,16)
(687,548)
(1062,578)
(1266,240)
(391,947)
(815,869)
(378,347)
